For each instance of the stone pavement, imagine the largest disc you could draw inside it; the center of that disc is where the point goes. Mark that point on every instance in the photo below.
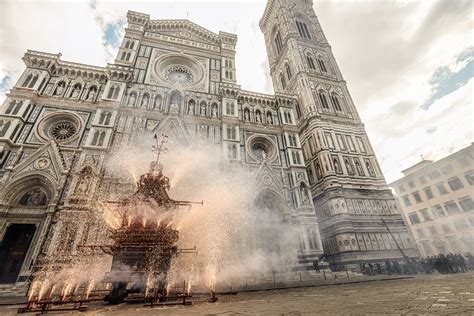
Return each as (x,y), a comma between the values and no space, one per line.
(435,294)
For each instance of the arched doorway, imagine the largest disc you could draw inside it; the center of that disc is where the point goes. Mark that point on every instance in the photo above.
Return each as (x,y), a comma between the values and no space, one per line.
(20,231)
(268,221)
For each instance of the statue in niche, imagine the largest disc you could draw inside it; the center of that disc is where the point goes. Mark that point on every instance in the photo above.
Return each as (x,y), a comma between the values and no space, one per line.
(318,171)
(191,109)
(60,88)
(258,117)
(76,91)
(337,168)
(269,118)
(132,99)
(264,154)
(175,102)
(92,93)
(214,111)
(145,101)
(203,109)
(304,195)
(246,115)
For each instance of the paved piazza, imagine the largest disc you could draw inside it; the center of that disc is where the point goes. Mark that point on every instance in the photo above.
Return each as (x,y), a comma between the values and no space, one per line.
(437,294)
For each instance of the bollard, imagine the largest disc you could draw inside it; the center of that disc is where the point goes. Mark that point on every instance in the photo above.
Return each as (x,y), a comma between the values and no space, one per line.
(335,275)
(300,277)
(324,274)
(274,281)
(347,273)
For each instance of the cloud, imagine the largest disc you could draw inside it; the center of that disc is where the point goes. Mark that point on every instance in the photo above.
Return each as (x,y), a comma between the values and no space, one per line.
(445,80)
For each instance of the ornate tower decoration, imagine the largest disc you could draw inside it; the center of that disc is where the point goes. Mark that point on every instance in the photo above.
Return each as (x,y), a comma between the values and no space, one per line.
(347,184)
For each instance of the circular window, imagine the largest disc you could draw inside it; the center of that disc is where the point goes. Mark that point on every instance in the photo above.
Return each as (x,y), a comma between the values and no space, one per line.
(179,69)
(63,127)
(262,148)
(179,74)
(62,131)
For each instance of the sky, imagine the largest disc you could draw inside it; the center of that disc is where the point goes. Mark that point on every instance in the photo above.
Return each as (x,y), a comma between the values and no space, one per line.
(408,64)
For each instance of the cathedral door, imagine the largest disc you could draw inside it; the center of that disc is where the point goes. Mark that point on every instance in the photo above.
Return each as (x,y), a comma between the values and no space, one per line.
(13,249)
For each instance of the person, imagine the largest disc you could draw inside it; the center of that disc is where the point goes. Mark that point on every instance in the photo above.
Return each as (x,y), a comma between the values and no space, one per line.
(388,267)
(316,265)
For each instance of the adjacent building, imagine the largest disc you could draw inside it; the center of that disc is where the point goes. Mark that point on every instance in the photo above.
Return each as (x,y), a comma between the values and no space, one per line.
(437,203)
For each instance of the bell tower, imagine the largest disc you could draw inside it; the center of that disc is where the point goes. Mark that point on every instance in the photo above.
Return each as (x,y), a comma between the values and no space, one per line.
(349,191)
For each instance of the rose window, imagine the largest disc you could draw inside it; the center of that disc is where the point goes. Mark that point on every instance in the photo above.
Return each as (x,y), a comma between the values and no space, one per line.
(62,130)
(262,148)
(260,151)
(179,74)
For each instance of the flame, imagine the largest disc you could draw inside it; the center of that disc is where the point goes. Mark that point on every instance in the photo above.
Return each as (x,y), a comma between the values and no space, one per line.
(33,289)
(189,287)
(90,287)
(65,291)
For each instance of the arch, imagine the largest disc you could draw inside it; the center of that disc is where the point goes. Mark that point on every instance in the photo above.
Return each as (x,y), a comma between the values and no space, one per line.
(203,108)
(132,98)
(270,202)
(128,56)
(191,107)
(214,110)
(335,102)
(310,61)
(33,81)
(124,55)
(277,40)
(27,80)
(18,189)
(158,102)
(323,99)
(145,100)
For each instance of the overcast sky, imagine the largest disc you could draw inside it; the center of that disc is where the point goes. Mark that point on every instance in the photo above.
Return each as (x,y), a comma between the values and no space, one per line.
(408,64)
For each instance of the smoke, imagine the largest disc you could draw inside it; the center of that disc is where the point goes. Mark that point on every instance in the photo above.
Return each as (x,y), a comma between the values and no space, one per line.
(237,231)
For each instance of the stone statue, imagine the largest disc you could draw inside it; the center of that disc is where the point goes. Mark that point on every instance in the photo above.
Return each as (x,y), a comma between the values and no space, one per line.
(132,99)
(269,118)
(145,101)
(214,111)
(246,115)
(191,109)
(91,95)
(304,195)
(349,167)
(258,117)
(336,166)
(203,109)
(75,92)
(59,89)
(264,154)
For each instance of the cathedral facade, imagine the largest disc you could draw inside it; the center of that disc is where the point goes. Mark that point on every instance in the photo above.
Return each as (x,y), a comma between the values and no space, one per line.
(306,144)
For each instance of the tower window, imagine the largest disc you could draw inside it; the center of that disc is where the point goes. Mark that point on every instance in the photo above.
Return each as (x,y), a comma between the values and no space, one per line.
(288,71)
(322,98)
(322,66)
(310,62)
(335,102)
(303,30)
(278,42)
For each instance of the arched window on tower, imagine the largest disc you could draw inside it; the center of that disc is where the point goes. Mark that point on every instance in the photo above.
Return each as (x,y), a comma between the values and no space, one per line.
(124,55)
(128,56)
(335,102)
(323,99)
(310,62)
(283,81)
(303,30)
(27,80)
(278,42)
(4,126)
(33,81)
(132,44)
(288,71)
(127,44)
(322,65)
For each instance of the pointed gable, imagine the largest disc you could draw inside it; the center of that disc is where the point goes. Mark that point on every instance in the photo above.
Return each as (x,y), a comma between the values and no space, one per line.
(46,160)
